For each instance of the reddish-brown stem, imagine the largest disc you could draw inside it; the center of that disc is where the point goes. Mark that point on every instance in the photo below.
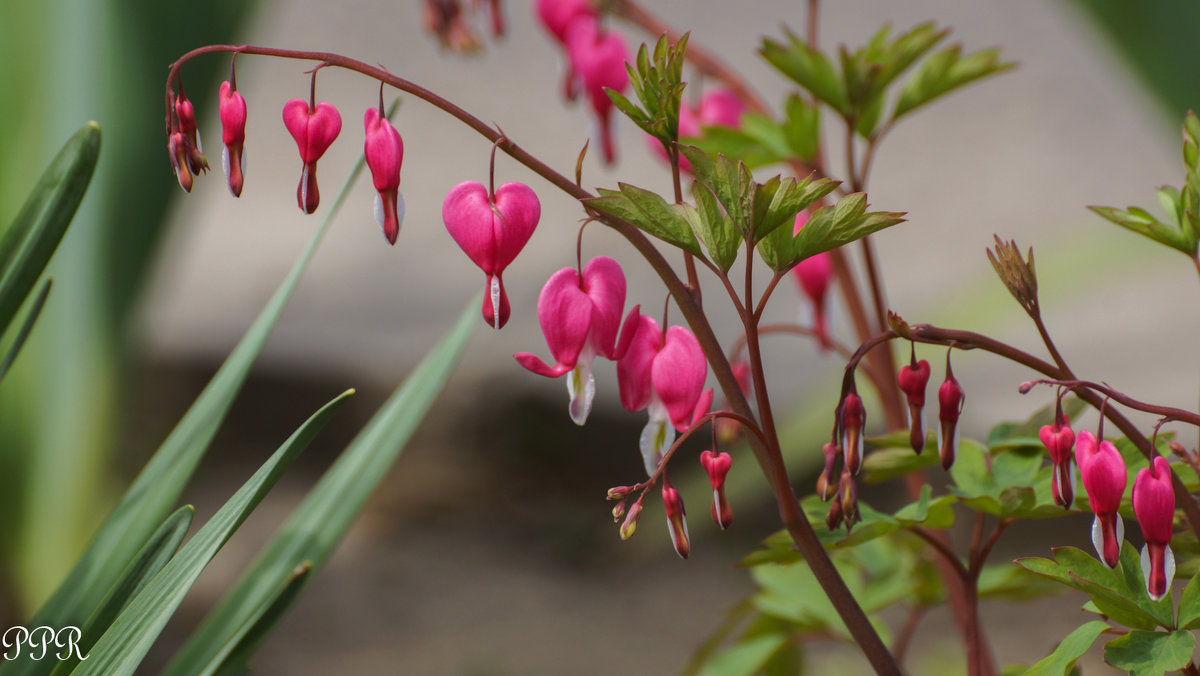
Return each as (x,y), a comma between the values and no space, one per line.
(767,453)
(747,423)
(942,550)
(689,261)
(1167,412)
(985,550)
(907,631)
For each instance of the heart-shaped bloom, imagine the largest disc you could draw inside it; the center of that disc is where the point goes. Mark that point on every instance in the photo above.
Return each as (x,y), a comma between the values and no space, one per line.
(1059,440)
(1102,470)
(557,16)
(492,230)
(599,58)
(384,152)
(233,134)
(951,398)
(1154,505)
(314,128)
(913,379)
(580,317)
(663,373)
(814,276)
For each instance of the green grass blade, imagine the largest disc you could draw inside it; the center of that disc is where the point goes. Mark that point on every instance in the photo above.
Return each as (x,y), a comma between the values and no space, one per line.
(322,519)
(35,311)
(125,644)
(154,555)
(34,234)
(158,486)
(234,657)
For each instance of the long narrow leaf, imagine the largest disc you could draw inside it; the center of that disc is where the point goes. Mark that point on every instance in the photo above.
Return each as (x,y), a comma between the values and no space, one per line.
(35,311)
(236,654)
(158,486)
(154,555)
(122,647)
(323,518)
(34,234)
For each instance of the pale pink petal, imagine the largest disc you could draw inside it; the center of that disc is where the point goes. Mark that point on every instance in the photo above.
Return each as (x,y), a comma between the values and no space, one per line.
(565,315)
(468,217)
(521,210)
(604,284)
(678,375)
(633,369)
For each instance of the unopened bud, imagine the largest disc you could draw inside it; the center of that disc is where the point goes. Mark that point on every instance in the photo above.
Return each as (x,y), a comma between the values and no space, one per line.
(913,379)
(849,500)
(619,492)
(826,487)
(950,399)
(854,418)
(618,511)
(834,518)
(676,520)
(631,519)
(717,465)
(1178,449)
(1059,440)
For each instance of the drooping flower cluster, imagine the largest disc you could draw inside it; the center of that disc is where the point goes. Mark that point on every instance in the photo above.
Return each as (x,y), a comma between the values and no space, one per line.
(596,59)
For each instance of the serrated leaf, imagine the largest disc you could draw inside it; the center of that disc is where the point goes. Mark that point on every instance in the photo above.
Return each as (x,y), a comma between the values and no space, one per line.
(327,512)
(1145,653)
(712,227)
(649,212)
(802,127)
(1137,220)
(121,649)
(831,227)
(1006,580)
(1134,588)
(789,199)
(944,72)
(155,490)
(1073,646)
(808,68)
(895,459)
(31,238)
(779,249)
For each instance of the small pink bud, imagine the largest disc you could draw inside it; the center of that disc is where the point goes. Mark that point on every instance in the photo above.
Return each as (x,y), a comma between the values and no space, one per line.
(178,152)
(314,129)
(950,401)
(233,134)
(1154,505)
(913,379)
(492,230)
(853,419)
(1102,470)
(676,520)
(717,465)
(1178,449)
(631,518)
(187,124)
(384,152)
(814,275)
(618,511)
(1059,440)
(619,492)
(849,499)
(826,486)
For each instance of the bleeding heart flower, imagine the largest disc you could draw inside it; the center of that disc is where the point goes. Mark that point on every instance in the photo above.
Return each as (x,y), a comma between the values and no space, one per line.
(814,275)
(676,519)
(717,465)
(492,230)
(1059,440)
(384,152)
(1154,505)
(950,405)
(853,417)
(579,316)
(314,128)
(177,150)
(233,134)
(1102,470)
(664,374)
(913,379)
(186,113)
(557,16)
(599,58)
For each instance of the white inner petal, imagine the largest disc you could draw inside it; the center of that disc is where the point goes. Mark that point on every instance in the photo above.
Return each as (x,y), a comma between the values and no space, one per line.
(399,210)
(581,387)
(657,436)
(225,162)
(495,296)
(379,209)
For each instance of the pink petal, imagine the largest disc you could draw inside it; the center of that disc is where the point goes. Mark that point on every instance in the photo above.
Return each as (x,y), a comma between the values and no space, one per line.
(719,107)
(233,115)
(520,211)
(678,375)
(633,370)
(1154,501)
(384,151)
(558,15)
(295,118)
(540,367)
(628,330)
(468,218)
(604,284)
(565,314)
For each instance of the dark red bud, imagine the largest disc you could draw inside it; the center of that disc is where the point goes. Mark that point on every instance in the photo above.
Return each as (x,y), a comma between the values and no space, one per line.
(854,417)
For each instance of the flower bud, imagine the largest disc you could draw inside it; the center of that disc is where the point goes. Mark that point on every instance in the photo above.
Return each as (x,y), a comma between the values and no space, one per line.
(950,401)
(618,511)
(834,518)
(1059,439)
(177,150)
(676,520)
(849,499)
(619,492)
(717,465)
(826,487)
(383,150)
(853,419)
(1178,449)
(631,519)
(1154,505)
(1102,470)
(186,113)
(233,134)
(913,379)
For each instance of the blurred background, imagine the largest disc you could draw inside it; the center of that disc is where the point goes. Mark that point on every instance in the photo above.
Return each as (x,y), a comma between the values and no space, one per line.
(488,549)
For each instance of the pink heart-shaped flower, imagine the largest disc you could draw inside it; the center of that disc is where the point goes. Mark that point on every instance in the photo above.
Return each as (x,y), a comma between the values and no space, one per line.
(491,234)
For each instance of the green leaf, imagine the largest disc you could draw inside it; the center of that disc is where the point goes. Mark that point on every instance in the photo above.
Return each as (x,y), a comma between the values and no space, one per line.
(34,234)
(327,512)
(156,489)
(779,249)
(1137,220)
(154,555)
(1062,660)
(235,656)
(650,213)
(1135,588)
(747,657)
(944,72)
(35,310)
(1078,570)
(1145,653)
(1189,605)
(895,460)
(802,127)
(808,68)
(789,199)
(712,227)
(125,644)
(830,227)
